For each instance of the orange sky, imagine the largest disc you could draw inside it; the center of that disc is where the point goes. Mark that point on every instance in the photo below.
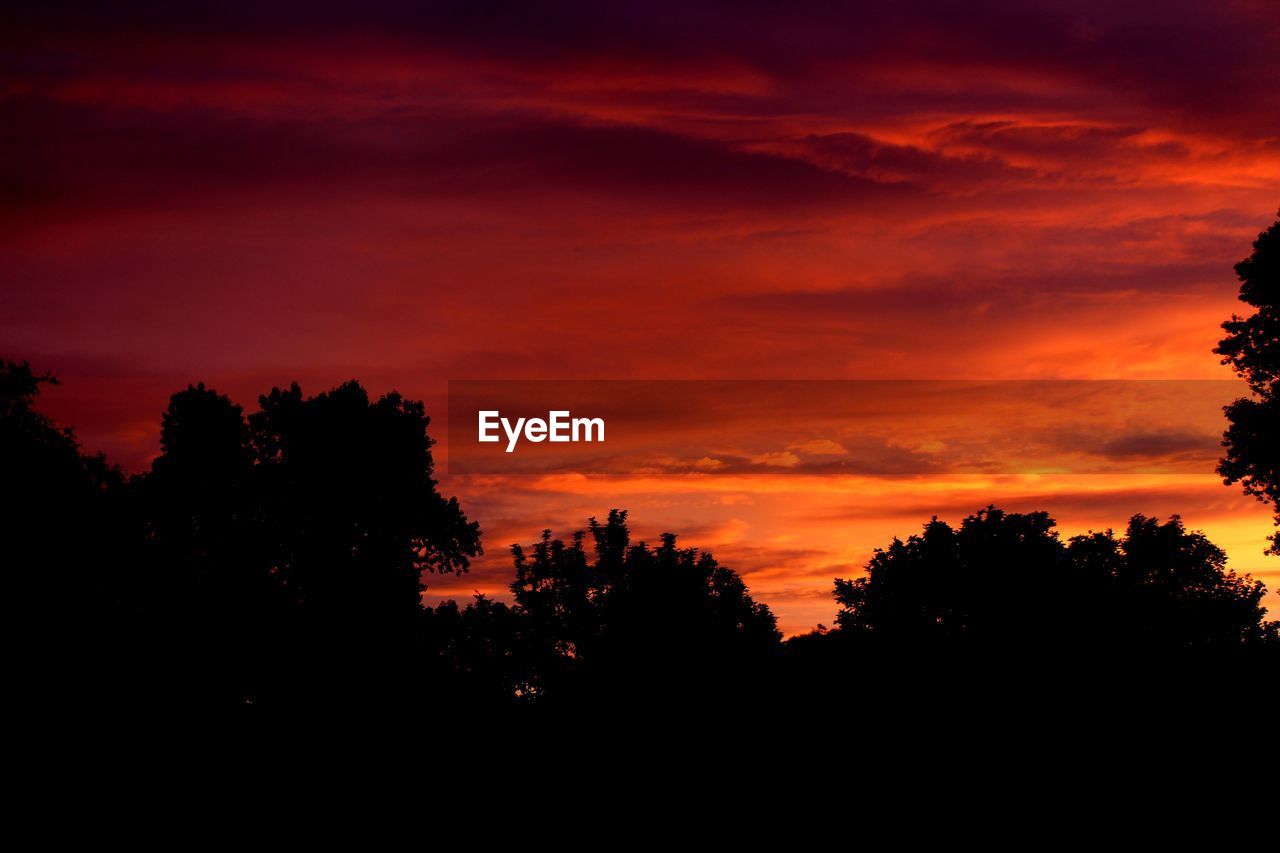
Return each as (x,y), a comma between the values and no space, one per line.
(653,191)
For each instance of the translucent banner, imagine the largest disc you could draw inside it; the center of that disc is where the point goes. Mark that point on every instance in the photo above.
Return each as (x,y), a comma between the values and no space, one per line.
(867,427)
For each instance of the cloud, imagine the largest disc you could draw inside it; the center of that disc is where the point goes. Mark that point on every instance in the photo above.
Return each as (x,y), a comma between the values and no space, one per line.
(72,160)
(1056,146)
(864,156)
(819,447)
(413,192)
(778,459)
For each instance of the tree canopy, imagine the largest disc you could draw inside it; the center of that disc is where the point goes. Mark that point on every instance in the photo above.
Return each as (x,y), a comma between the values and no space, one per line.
(1007,581)
(277,557)
(636,621)
(1252,348)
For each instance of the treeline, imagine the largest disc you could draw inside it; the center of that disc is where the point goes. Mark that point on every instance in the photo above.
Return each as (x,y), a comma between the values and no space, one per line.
(277,559)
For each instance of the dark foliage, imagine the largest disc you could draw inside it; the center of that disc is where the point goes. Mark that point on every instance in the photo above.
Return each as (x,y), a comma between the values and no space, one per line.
(65,519)
(617,625)
(1006,581)
(637,624)
(1002,609)
(277,559)
(1252,348)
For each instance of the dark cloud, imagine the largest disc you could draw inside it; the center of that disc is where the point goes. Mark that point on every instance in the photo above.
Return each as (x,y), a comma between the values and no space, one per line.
(1199,64)
(1199,447)
(74,156)
(862,155)
(347,113)
(1056,146)
(983,297)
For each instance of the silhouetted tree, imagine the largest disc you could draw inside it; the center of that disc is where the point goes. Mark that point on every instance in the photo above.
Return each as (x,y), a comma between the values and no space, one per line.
(352,518)
(1164,589)
(1252,348)
(350,489)
(277,558)
(638,624)
(284,551)
(211,597)
(274,558)
(946,585)
(479,654)
(1005,584)
(64,523)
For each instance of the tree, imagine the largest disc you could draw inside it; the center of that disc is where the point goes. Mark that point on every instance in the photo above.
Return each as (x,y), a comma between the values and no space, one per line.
(350,494)
(212,603)
(946,585)
(63,535)
(1004,583)
(479,653)
(1169,589)
(1252,348)
(351,517)
(284,551)
(637,624)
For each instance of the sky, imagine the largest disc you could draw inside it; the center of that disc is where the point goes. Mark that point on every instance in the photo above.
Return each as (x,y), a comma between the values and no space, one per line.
(423,192)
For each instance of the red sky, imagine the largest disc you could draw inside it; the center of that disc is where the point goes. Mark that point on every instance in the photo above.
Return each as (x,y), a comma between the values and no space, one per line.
(693,190)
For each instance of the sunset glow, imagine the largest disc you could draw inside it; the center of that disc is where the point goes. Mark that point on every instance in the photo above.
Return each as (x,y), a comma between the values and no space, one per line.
(655,191)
